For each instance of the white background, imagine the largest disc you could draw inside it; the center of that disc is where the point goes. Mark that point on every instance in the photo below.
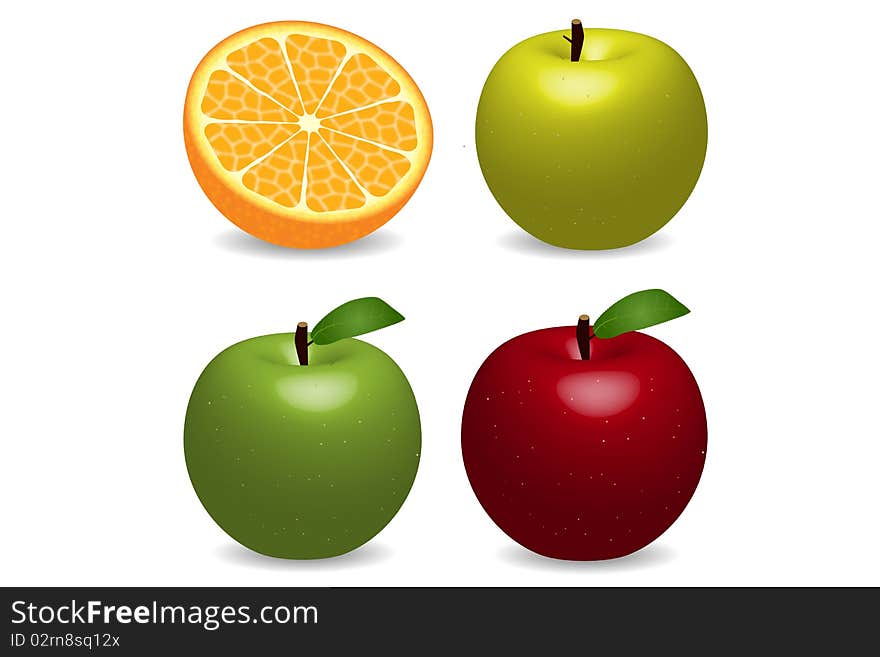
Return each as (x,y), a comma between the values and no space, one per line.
(121,281)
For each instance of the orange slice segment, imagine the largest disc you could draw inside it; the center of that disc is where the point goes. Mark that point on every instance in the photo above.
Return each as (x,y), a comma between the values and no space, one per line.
(305,135)
(231,98)
(390,124)
(314,62)
(330,186)
(239,144)
(360,82)
(280,176)
(262,63)
(377,169)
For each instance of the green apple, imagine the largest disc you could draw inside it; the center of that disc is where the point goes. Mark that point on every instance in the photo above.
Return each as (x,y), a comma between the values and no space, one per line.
(305,445)
(597,151)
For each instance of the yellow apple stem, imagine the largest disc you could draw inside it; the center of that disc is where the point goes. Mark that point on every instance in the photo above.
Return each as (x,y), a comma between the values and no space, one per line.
(301,342)
(576,40)
(583,336)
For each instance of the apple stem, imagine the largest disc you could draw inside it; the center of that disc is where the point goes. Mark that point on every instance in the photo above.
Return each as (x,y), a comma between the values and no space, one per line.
(301,342)
(583,336)
(576,40)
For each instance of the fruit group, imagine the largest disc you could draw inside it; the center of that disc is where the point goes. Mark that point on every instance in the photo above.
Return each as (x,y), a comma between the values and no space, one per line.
(305,135)
(302,461)
(597,153)
(583,459)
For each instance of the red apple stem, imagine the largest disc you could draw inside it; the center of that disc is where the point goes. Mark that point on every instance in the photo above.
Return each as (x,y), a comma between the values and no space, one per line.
(576,40)
(583,336)
(301,342)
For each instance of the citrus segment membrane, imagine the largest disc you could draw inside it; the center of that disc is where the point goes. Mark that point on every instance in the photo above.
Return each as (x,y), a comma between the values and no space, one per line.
(314,62)
(279,176)
(238,145)
(360,82)
(388,124)
(231,98)
(306,123)
(329,185)
(377,169)
(263,64)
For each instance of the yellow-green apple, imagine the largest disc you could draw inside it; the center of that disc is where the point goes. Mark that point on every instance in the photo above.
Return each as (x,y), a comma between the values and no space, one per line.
(593,141)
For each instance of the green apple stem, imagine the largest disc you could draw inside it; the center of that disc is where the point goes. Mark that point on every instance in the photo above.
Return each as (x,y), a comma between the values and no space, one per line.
(301,342)
(583,336)
(576,40)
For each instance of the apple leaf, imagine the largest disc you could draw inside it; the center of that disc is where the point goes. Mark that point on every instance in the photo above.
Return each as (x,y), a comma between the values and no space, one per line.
(353,318)
(637,311)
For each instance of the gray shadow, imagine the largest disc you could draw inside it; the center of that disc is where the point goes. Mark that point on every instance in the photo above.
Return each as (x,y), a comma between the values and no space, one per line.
(521,242)
(238,242)
(364,556)
(648,557)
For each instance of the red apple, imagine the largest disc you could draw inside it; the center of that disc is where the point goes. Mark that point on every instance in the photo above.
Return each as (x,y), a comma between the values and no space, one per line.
(584,448)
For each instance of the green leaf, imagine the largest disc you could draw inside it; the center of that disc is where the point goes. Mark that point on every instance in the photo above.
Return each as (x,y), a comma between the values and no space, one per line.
(354,318)
(637,311)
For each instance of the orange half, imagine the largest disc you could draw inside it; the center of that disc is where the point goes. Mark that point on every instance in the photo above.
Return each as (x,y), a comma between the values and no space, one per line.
(305,135)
